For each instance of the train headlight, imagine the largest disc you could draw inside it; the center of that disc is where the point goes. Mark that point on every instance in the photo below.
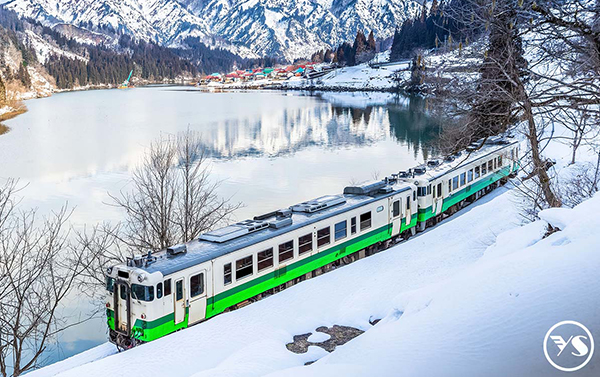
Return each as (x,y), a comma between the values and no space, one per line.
(141,278)
(143,316)
(108,305)
(109,270)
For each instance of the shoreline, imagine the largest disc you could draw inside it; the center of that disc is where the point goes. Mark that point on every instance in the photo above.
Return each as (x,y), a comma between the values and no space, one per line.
(4,129)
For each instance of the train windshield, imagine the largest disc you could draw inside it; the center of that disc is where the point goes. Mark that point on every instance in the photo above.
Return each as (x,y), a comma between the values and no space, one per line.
(110,284)
(142,292)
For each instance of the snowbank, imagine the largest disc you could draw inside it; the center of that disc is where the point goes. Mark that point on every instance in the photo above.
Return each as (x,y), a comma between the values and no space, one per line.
(251,341)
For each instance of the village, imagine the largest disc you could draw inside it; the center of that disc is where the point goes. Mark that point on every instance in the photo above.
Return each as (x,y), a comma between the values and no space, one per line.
(269,74)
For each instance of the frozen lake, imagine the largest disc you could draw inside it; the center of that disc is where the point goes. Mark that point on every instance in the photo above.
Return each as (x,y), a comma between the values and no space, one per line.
(271,149)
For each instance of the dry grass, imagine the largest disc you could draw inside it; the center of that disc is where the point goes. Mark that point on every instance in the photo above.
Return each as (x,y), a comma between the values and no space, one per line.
(10,115)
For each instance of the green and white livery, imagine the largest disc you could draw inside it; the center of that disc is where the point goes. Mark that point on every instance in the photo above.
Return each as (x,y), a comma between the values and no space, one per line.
(156,294)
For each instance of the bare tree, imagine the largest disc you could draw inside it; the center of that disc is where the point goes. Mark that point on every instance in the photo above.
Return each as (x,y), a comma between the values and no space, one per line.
(561,71)
(173,199)
(38,270)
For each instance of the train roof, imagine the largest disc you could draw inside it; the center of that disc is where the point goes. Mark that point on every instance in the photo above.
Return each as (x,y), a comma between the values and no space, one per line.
(478,150)
(246,233)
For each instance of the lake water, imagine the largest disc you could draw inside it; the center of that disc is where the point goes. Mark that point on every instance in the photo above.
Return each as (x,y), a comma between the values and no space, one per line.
(271,149)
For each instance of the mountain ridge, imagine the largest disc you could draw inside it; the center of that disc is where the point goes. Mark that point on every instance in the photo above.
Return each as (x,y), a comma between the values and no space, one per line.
(250,28)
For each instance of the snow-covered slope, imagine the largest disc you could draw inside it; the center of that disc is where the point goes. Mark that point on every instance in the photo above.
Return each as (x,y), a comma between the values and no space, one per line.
(289,28)
(162,21)
(454,301)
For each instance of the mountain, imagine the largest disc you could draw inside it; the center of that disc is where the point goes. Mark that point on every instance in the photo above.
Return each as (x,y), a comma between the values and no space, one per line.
(284,28)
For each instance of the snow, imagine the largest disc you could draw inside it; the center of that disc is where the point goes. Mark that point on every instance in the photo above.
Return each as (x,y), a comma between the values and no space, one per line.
(434,292)
(318,337)
(45,49)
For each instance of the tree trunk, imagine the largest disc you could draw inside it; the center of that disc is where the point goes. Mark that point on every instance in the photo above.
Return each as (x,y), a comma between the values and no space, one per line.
(539,167)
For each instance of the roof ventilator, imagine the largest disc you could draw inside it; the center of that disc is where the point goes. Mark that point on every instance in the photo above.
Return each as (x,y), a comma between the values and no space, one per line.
(368,188)
(319,204)
(233,231)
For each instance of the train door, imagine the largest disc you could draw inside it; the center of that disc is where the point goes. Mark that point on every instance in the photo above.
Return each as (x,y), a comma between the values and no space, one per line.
(409,210)
(179,300)
(122,305)
(438,199)
(395,205)
(198,288)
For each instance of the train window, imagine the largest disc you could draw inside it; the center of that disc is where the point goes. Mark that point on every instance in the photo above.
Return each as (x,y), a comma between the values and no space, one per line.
(167,286)
(429,190)
(455,183)
(123,292)
(449,185)
(243,267)
(439,190)
(265,259)
(323,237)
(421,191)
(341,230)
(483,169)
(142,292)
(305,244)
(470,176)
(365,221)
(477,172)
(463,179)
(434,191)
(490,166)
(179,290)
(499,161)
(110,284)
(159,290)
(395,209)
(227,275)
(286,251)
(414,195)
(197,285)
(353,225)
(408,202)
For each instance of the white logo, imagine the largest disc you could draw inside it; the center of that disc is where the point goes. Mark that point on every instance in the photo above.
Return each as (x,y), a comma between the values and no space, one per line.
(568,355)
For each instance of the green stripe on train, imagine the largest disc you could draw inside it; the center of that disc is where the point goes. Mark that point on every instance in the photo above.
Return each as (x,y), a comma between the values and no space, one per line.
(222,301)
(151,330)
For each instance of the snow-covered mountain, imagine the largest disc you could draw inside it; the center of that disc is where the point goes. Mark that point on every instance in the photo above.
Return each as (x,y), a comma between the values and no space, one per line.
(288,28)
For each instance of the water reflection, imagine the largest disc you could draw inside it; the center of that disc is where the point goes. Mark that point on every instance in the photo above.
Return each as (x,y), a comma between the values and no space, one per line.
(270,149)
(333,123)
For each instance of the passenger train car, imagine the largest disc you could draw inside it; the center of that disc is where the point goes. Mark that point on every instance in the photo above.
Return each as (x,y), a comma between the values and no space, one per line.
(156,294)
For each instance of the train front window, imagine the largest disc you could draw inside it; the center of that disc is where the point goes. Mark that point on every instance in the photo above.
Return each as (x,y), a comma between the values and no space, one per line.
(142,292)
(110,284)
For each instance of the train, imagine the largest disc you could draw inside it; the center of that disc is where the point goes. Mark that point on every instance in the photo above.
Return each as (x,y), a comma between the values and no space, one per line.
(155,294)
